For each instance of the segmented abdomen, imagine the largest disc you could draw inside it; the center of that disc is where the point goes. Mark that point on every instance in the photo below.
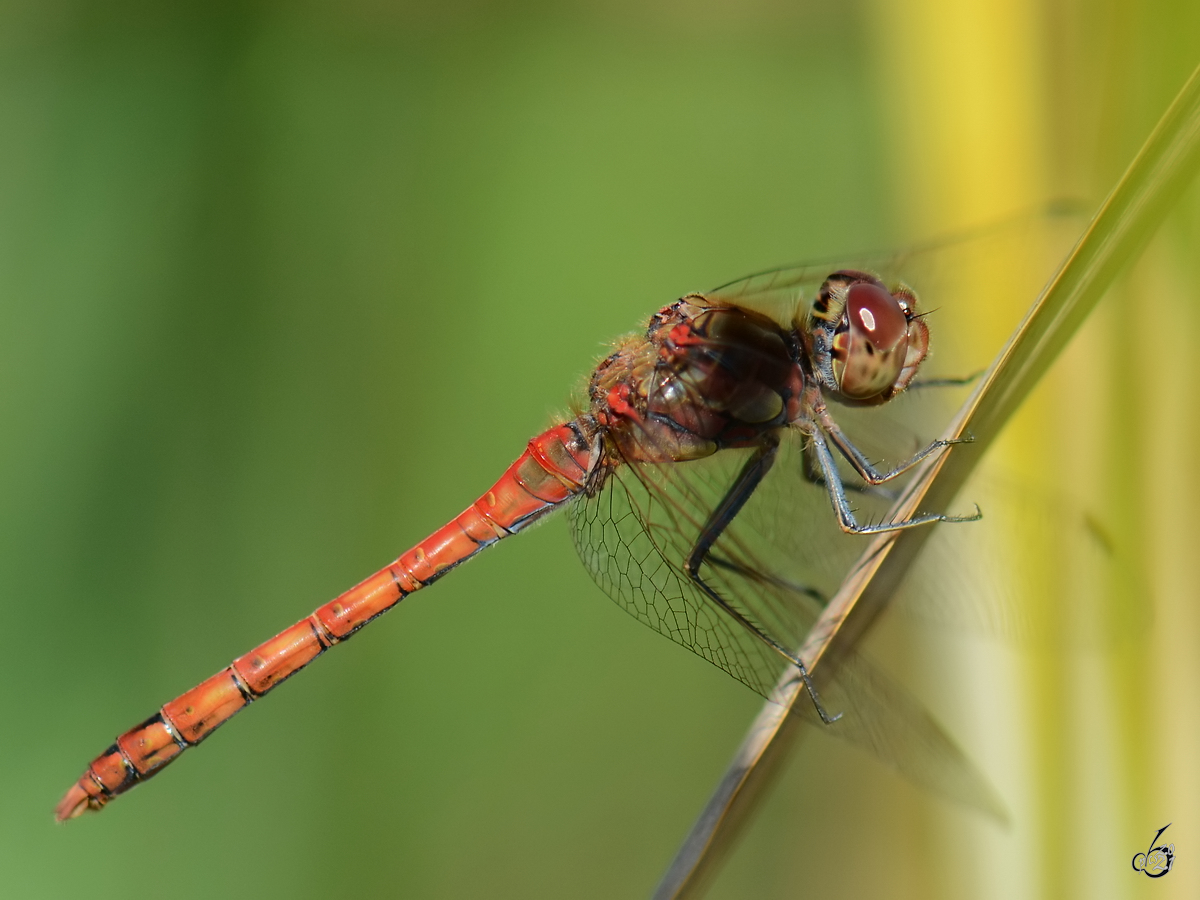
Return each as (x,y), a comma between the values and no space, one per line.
(553,468)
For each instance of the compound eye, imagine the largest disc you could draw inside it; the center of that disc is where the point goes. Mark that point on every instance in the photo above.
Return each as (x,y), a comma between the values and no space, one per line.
(870,349)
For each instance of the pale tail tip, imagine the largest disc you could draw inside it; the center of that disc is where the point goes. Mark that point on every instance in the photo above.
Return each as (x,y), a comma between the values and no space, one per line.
(75,803)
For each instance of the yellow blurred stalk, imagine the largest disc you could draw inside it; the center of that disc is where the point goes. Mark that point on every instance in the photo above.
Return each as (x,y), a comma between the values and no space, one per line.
(1090,756)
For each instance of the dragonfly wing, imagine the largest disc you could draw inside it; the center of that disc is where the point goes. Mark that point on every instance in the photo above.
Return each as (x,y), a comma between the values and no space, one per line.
(775,563)
(629,537)
(779,556)
(973,282)
(882,717)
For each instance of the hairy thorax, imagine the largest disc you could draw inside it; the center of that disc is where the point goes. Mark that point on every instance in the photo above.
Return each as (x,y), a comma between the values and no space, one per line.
(703,377)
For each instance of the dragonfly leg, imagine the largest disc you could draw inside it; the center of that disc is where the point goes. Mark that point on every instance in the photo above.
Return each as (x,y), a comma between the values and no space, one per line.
(812,474)
(747,482)
(945,382)
(766,578)
(861,464)
(841,506)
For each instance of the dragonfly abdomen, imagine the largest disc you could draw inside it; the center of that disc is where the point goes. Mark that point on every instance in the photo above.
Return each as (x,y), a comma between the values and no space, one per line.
(554,467)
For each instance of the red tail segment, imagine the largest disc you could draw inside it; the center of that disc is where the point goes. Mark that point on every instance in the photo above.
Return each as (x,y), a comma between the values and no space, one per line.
(552,469)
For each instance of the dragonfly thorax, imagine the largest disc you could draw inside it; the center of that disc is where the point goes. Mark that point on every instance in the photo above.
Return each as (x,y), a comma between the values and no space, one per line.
(706,376)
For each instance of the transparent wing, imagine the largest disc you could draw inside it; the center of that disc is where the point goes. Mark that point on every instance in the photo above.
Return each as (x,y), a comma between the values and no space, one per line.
(975,285)
(981,579)
(631,538)
(779,556)
(636,534)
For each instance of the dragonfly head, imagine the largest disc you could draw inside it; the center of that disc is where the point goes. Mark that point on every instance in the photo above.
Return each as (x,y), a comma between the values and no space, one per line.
(867,342)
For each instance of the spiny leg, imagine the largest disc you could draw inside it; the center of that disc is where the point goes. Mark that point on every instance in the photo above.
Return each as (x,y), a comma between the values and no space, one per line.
(944,382)
(811,470)
(841,506)
(766,578)
(747,481)
(859,461)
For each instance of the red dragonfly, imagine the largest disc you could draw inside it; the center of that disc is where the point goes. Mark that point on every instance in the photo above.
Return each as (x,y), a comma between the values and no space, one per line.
(687,472)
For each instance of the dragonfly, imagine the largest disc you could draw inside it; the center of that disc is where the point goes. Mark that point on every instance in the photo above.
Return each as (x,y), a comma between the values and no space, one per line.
(712,491)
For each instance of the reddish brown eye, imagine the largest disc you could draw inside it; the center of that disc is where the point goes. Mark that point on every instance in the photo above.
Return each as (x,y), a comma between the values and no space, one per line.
(875,343)
(876,314)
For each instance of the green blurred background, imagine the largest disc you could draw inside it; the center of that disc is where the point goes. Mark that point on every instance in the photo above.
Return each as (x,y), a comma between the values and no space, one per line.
(284,286)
